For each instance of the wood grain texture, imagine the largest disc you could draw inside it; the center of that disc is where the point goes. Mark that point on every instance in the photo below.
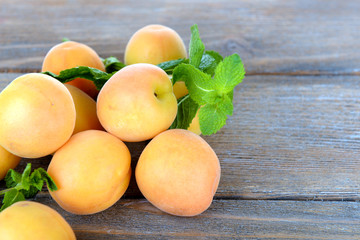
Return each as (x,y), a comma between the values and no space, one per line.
(290,137)
(286,37)
(225,219)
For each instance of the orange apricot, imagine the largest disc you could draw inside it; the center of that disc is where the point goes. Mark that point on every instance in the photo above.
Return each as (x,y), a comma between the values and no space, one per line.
(85,106)
(92,171)
(71,54)
(33,221)
(154,44)
(7,161)
(37,115)
(137,103)
(178,172)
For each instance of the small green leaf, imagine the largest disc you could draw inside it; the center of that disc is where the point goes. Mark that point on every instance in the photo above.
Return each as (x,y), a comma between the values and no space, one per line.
(97,76)
(209,62)
(65,39)
(196,47)
(212,117)
(12,178)
(112,64)
(200,85)
(49,181)
(187,109)
(229,73)
(36,180)
(169,66)
(25,178)
(11,197)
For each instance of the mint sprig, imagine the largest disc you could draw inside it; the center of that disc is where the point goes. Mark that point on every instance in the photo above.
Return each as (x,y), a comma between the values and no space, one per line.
(210,80)
(112,64)
(97,76)
(25,185)
(169,66)
(187,109)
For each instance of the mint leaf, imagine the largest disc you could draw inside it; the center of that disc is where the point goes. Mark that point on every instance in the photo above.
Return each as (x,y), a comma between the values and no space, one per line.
(25,185)
(196,47)
(49,181)
(169,66)
(11,197)
(229,73)
(200,85)
(12,178)
(187,109)
(212,117)
(209,62)
(112,64)
(97,76)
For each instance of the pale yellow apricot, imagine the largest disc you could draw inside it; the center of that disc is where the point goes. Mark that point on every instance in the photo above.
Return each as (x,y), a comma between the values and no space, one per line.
(154,44)
(178,172)
(7,161)
(86,117)
(71,54)
(92,171)
(33,221)
(37,115)
(137,103)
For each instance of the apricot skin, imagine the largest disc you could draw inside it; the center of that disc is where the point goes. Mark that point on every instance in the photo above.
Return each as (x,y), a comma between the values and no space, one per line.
(33,221)
(7,161)
(71,54)
(178,172)
(92,171)
(85,106)
(154,44)
(137,103)
(37,115)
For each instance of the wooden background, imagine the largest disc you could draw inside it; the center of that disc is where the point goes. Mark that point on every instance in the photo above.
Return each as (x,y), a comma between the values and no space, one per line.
(289,154)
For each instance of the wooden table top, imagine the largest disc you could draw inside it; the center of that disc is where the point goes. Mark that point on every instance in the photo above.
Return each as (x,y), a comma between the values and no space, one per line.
(290,154)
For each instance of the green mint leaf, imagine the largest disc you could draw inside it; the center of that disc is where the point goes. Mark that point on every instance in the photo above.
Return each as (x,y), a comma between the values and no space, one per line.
(196,47)
(200,85)
(97,76)
(187,109)
(12,178)
(212,117)
(229,73)
(11,197)
(49,181)
(209,62)
(36,180)
(65,39)
(25,178)
(30,193)
(112,64)
(169,66)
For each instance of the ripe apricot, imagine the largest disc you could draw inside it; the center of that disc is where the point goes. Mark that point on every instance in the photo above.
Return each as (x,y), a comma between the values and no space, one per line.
(37,115)
(92,171)
(154,44)
(85,106)
(137,103)
(7,161)
(33,221)
(178,172)
(71,54)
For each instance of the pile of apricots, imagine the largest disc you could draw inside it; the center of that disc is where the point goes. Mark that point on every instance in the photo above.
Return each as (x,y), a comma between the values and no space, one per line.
(85,130)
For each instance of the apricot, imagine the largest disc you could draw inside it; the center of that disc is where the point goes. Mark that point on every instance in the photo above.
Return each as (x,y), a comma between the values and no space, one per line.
(33,221)
(137,103)
(178,172)
(71,54)
(92,171)
(154,44)
(85,106)
(180,89)
(7,161)
(37,115)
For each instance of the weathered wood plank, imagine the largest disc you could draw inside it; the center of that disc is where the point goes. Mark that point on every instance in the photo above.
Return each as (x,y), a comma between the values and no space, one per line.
(289,138)
(293,37)
(225,219)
